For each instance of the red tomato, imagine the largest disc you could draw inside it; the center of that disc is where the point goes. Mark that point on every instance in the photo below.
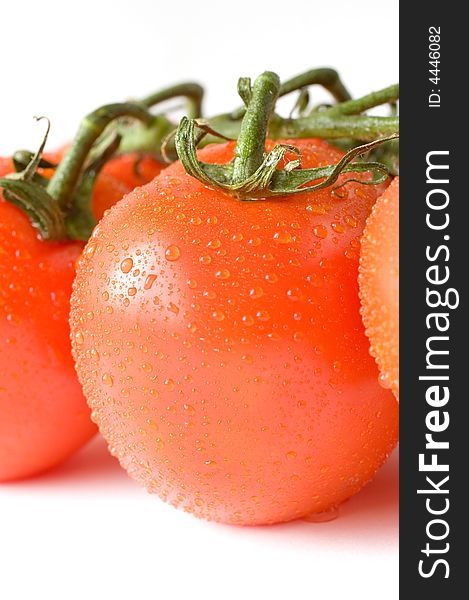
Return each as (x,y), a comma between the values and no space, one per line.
(379,285)
(221,349)
(119,176)
(43,415)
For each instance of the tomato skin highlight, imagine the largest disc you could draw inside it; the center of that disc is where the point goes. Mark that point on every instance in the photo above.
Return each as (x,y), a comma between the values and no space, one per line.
(379,285)
(226,364)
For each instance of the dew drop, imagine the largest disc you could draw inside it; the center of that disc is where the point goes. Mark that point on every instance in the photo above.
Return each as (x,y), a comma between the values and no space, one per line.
(149,281)
(131,291)
(107,379)
(256,292)
(338,227)
(172,253)
(322,517)
(282,237)
(247,320)
(126,265)
(320,231)
(169,383)
(222,274)
(79,339)
(173,308)
(291,454)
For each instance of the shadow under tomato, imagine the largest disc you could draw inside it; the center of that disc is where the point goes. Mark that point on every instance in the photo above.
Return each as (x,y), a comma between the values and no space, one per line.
(90,465)
(372,513)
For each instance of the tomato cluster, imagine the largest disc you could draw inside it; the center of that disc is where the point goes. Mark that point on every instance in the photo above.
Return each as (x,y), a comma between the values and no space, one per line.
(220,344)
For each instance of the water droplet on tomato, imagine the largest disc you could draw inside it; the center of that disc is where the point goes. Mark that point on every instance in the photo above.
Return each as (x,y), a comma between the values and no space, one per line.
(172,253)
(79,339)
(322,517)
(282,237)
(126,265)
(222,274)
(320,231)
(256,292)
(107,379)
(173,308)
(169,383)
(149,281)
(338,227)
(131,291)
(247,320)
(384,381)
(218,315)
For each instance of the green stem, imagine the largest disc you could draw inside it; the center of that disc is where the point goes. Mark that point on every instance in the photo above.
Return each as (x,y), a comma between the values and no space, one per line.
(359,105)
(328,78)
(65,179)
(193,92)
(317,124)
(362,127)
(250,147)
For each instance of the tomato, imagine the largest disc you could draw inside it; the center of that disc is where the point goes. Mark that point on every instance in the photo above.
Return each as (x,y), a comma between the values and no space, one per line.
(221,349)
(119,176)
(43,415)
(379,285)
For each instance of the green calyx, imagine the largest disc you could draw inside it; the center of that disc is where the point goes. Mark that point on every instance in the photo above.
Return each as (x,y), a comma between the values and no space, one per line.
(60,208)
(254,174)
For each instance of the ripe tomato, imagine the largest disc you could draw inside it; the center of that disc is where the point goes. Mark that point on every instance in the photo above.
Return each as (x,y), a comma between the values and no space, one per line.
(221,349)
(379,284)
(119,176)
(43,415)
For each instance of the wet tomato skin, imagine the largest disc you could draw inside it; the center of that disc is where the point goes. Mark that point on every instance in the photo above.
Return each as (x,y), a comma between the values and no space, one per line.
(226,362)
(379,284)
(43,415)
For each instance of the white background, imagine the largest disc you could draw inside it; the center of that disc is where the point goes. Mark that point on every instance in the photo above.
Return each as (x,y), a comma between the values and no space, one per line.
(85,531)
